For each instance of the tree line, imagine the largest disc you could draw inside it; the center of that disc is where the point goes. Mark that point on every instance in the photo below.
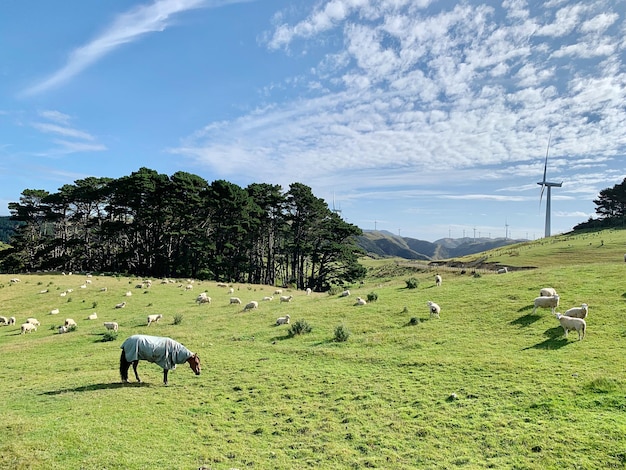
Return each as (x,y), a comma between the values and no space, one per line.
(610,208)
(151,224)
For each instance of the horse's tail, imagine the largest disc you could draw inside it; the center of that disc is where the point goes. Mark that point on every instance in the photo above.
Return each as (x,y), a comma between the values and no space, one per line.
(124,365)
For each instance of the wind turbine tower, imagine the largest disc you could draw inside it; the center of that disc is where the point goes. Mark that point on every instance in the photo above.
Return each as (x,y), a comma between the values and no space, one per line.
(546,184)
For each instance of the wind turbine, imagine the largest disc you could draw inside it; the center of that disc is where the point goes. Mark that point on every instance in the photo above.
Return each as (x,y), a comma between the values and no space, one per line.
(546,184)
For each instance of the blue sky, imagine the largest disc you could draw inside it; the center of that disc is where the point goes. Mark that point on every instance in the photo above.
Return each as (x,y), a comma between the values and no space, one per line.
(425,118)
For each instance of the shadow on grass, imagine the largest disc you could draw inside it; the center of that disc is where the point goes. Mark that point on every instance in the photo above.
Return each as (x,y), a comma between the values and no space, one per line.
(93,387)
(527,307)
(526,320)
(555,340)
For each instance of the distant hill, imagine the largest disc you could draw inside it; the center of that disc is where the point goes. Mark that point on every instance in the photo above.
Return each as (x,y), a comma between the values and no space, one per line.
(386,244)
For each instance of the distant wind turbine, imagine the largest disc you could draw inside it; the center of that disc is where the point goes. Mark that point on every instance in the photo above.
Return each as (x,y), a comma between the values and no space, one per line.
(545,184)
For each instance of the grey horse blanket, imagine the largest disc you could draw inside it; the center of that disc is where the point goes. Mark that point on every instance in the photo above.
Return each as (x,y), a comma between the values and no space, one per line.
(162,351)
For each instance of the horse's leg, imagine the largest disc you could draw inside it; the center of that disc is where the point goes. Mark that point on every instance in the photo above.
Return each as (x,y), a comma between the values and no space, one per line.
(135,370)
(124,365)
(165,376)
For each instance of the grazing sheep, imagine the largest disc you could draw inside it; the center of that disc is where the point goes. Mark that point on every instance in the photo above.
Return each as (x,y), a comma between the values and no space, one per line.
(546,302)
(286,298)
(63,329)
(345,293)
(282,320)
(63,294)
(308,291)
(33,321)
(69,322)
(503,270)
(231,291)
(222,284)
(278,291)
(251,305)
(578,312)
(570,323)
(69,291)
(4,321)
(235,300)
(27,328)
(360,301)
(103,289)
(129,294)
(14,280)
(268,298)
(54,311)
(438,280)
(122,305)
(203,298)
(83,286)
(111,325)
(11,320)
(154,318)
(547,292)
(88,281)
(434,309)
(93,316)
(189,287)
(44,291)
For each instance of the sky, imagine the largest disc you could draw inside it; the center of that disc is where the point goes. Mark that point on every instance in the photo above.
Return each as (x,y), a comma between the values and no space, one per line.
(425,118)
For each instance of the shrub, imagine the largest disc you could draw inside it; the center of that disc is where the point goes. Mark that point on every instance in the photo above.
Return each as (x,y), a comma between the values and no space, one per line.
(299,327)
(178,319)
(412,283)
(372,297)
(341,334)
(109,336)
(334,290)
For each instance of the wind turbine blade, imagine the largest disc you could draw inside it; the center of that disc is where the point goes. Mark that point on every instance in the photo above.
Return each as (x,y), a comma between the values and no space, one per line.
(541,193)
(545,165)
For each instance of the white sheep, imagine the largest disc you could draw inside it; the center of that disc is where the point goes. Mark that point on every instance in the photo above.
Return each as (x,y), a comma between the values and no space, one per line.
(282,320)
(438,280)
(69,322)
(11,320)
(122,305)
(547,292)
(4,321)
(434,309)
(231,291)
(189,287)
(54,311)
(345,293)
(154,318)
(63,294)
(503,270)
(33,321)
(268,298)
(14,280)
(578,312)
(128,294)
(44,291)
(551,302)
(27,328)
(63,329)
(286,298)
(308,291)
(235,300)
(251,305)
(103,289)
(570,324)
(203,298)
(111,325)
(93,316)
(278,291)
(360,301)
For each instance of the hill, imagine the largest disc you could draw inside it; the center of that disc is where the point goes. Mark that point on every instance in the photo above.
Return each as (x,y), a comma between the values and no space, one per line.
(386,244)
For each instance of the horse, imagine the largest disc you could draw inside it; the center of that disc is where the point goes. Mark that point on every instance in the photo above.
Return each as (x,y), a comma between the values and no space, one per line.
(162,351)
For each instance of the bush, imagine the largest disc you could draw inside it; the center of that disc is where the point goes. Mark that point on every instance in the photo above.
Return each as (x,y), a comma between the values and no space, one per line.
(412,283)
(372,297)
(334,290)
(178,319)
(341,334)
(109,336)
(299,327)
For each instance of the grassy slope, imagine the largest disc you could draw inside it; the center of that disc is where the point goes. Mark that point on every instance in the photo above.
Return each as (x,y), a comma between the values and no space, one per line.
(526,397)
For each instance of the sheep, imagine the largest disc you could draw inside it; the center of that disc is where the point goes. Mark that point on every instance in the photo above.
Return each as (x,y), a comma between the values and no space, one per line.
(33,321)
(268,298)
(434,309)
(27,328)
(128,294)
(571,323)
(44,291)
(547,292)
(154,318)
(438,280)
(231,291)
(88,281)
(83,286)
(503,270)
(203,299)
(189,287)
(93,316)
(546,302)
(251,305)
(222,284)
(360,301)
(4,321)
(286,298)
(69,323)
(122,305)
(11,320)
(278,291)
(54,311)
(62,329)
(308,291)
(103,289)
(282,320)
(63,294)
(578,312)
(235,300)
(14,280)
(111,325)
(345,293)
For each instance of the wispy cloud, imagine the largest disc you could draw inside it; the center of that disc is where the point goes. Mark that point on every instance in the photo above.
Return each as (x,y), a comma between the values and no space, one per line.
(68,139)
(126,28)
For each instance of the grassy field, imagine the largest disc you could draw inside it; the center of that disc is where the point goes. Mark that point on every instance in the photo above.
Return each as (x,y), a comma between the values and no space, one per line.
(488,385)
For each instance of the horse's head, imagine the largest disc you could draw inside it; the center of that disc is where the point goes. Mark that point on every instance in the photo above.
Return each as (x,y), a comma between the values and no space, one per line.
(194,363)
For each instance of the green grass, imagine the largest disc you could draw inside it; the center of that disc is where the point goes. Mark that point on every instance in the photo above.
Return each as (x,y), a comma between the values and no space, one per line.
(488,385)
